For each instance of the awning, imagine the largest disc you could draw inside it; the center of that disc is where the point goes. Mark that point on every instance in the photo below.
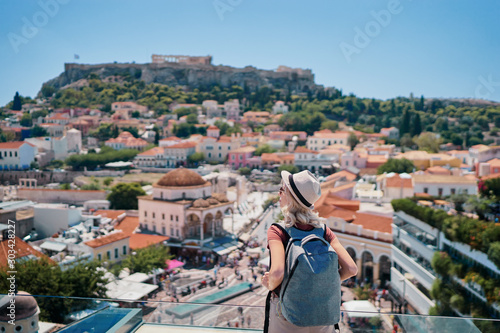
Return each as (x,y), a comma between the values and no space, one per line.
(53,246)
(137,277)
(360,309)
(174,263)
(121,290)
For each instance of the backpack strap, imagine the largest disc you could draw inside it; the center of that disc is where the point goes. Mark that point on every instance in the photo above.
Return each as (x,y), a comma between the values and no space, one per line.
(268,308)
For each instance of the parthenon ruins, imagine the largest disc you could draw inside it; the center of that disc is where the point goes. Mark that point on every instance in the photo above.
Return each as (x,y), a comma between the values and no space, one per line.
(181,59)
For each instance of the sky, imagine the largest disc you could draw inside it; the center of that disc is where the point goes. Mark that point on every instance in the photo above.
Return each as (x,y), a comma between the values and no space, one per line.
(375,49)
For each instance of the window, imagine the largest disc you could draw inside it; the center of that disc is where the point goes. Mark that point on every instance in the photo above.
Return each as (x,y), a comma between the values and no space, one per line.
(233,157)
(145,214)
(171,231)
(220,155)
(209,154)
(15,153)
(354,163)
(153,214)
(220,147)
(154,227)
(177,232)
(171,217)
(116,253)
(176,218)
(163,216)
(440,191)
(426,190)
(99,257)
(108,254)
(124,249)
(10,153)
(346,163)
(452,191)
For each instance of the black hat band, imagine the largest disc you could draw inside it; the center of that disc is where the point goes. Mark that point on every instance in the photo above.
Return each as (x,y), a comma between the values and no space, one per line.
(297,192)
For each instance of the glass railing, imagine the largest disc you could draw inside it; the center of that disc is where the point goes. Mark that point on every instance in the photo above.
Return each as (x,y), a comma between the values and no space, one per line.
(67,314)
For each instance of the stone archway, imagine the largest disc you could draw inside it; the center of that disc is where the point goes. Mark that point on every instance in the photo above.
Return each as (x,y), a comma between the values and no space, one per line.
(192,228)
(351,252)
(367,267)
(208,225)
(384,270)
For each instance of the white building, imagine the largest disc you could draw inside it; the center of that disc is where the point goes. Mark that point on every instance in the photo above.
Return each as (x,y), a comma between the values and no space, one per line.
(74,140)
(183,206)
(391,132)
(322,139)
(53,129)
(414,244)
(442,185)
(280,107)
(17,155)
(58,146)
(218,149)
(53,218)
(212,109)
(232,110)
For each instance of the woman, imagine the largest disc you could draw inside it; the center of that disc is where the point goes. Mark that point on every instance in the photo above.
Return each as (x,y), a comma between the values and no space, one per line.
(298,194)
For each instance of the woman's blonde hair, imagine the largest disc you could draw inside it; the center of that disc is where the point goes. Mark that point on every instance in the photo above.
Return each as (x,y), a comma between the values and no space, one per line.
(294,213)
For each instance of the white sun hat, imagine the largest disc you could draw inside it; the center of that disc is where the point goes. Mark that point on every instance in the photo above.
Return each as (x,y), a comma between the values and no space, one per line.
(304,187)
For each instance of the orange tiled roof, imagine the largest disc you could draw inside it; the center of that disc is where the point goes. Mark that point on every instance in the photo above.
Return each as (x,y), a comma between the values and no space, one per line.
(111,213)
(13,144)
(182,145)
(152,152)
(491,176)
(302,149)
(224,139)
(341,174)
(373,222)
(212,127)
(108,239)
(139,241)
(171,138)
(396,180)
(128,225)
(494,162)
(22,248)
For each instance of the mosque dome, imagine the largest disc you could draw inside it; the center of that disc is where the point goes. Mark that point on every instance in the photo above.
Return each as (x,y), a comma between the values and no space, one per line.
(181,177)
(26,306)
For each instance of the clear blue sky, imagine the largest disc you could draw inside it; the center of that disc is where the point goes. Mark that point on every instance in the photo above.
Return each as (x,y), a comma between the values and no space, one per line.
(435,48)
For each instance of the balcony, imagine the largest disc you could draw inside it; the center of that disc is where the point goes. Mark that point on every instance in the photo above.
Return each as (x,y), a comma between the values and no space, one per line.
(113,315)
(414,267)
(410,292)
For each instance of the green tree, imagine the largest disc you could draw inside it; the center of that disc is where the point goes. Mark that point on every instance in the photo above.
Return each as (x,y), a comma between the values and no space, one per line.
(147,259)
(244,171)
(65,186)
(107,181)
(56,164)
(288,167)
(38,131)
(332,125)
(352,140)
(34,165)
(196,158)
(396,165)
(494,253)
(490,187)
(124,195)
(429,142)
(416,129)
(265,148)
(16,103)
(405,123)
(43,277)
(26,120)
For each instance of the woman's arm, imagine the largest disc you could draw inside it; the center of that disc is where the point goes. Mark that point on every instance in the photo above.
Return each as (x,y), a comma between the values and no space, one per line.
(275,276)
(348,267)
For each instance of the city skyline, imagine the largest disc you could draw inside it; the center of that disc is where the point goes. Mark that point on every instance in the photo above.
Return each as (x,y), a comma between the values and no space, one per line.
(376,50)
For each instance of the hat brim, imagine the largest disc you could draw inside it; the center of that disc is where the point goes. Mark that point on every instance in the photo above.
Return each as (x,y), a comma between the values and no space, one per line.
(285,176)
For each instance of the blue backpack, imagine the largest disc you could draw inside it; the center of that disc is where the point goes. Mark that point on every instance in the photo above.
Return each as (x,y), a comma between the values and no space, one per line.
(310,291)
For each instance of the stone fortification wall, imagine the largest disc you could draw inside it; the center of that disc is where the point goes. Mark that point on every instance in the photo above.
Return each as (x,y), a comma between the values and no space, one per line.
(193,75)
(42,177)
(70,197)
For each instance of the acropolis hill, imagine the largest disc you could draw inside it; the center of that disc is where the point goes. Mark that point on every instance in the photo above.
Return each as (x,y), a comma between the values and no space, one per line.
(192,72)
